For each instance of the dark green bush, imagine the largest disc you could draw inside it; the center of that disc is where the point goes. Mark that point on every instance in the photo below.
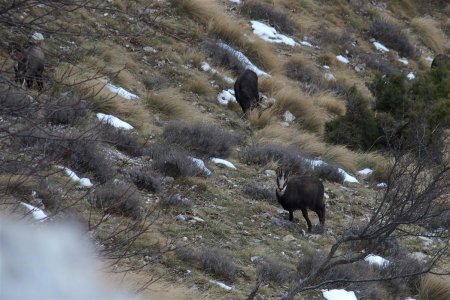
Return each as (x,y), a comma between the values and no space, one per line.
(358,129)
(391,95)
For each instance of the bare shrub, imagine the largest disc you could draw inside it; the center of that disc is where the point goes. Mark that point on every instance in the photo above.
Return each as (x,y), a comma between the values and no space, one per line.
(274,272)
(172,161)
(392,36)
(202,139)
(123,140)
(303,71)
(144,180)
(277,18)
(218,263)
(341,38)
(292,159)
(187,254)
(307,262)
(155,82)
(66,110)
(15,102)
(175,201)
(259,193)
(120,198)
(378,63)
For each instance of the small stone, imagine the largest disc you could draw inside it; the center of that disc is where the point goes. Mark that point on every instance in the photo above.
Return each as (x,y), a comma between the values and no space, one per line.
(288,117)
(181,218)
(270,173)
(289,238)
(149,49)
(284,124)
(184,238)
(255,258)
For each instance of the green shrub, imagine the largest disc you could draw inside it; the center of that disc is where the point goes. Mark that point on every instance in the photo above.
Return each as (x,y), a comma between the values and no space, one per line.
(358,129)
(390,94)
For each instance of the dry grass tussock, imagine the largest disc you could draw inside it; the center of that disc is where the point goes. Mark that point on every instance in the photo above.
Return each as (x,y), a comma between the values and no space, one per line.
(302,107)
(261,118)
(171,103)
(332,104)
(428,32)
(262,54)
(100,98)
(213,15)
(434,288)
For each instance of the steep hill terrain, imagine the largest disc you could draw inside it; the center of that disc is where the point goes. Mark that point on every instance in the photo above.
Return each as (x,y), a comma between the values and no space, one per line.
(137,138)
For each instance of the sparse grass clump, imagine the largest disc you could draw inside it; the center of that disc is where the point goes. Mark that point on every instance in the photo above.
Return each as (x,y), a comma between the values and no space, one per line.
(119,198)
(300,69)
(203,139)
(66,110)
(392,36)
(433,287)
(123,140)
(274,272)
(144,180)
(15,102)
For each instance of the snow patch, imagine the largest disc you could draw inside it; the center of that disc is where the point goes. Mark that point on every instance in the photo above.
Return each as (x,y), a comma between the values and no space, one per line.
(38,214)
(342,59)
(270,34)
(329,76)
(411,76)
(243,59)
(226,96)
(222,285)
(365,171)
(120,91)
(82,181)
(113,121)
(220,161)
(200,164)
(207,68)
(288,117)
(403,60)
(236,1)
(429,58)
(347,177)
(338,295)
(377,260)
(382,185)
(306,44)
(380,47)
(37,36)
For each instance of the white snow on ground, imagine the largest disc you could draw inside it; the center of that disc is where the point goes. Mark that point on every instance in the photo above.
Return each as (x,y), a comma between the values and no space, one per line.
(243,59)
(236,1)
(429,58)
(120,91)
(38,214)
(114,121)
(347,177)
(342,59)
(411,76)
(220,161)
(365,171)
(380,47)
(382,185)
(409,298)
(403,60)
(270,34)
(329,76)
(207,68)
(288,117)
(82,181)
(226,96)
(200,164)
(306,44)
(377,260)
(222,285)
(338,295)
(326,67)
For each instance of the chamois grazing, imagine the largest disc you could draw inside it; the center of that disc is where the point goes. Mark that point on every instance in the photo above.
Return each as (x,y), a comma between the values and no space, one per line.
(301,193)
(30,66)
(246,90)
(439,60)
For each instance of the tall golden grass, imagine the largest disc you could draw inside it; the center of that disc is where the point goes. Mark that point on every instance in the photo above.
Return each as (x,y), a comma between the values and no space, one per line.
(429,33)
(434,287)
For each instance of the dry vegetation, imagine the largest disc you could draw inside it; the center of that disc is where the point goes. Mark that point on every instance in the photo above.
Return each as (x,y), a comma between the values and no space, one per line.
(177,117)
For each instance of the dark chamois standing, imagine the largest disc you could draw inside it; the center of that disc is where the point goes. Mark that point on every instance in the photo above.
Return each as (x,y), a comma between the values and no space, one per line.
(30,66)
(301,193)
(439,60)
(246,90)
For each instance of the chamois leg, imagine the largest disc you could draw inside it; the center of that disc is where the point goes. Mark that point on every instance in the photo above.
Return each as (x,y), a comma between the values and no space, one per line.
(291,216)
(321,215)
(305,215)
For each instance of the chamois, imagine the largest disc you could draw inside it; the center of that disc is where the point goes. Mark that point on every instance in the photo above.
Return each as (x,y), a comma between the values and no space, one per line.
(301,193)
(30,66)
(246,90)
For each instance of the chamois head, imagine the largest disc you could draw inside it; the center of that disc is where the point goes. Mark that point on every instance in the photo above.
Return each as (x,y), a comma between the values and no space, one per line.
(282,179)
